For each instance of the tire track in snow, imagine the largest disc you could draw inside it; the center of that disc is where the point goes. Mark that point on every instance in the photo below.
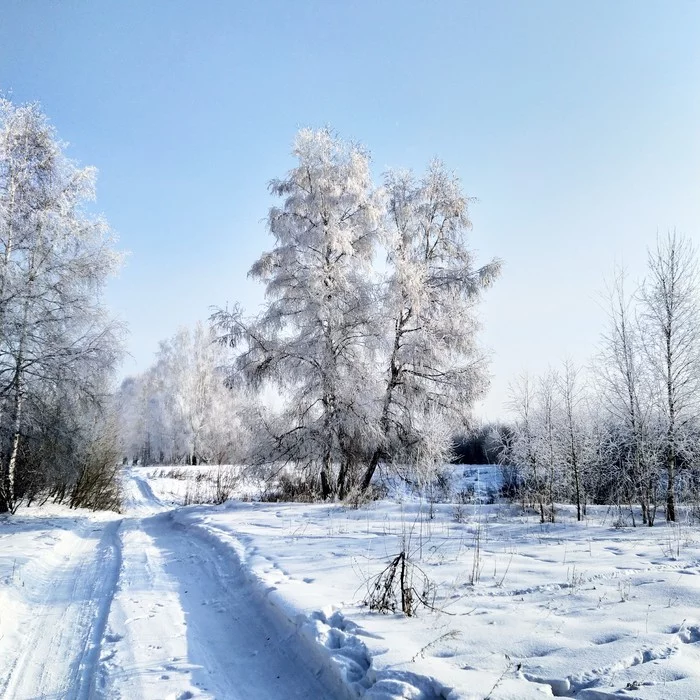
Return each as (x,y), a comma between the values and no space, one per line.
(92,658)
(185,624)
(60,652)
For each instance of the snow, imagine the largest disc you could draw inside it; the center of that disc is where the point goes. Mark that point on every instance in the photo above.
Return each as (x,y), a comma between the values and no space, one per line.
(57,575)
(266,600)
(134,607)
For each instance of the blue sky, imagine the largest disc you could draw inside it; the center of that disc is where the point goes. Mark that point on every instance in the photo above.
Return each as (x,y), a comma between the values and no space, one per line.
(575,124)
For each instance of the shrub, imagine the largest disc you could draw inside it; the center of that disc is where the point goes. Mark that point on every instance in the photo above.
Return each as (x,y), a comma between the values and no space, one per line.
(292,487)
(98,486)
(394,587)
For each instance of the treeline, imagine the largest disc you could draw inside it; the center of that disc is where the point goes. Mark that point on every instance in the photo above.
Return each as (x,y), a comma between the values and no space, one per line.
(627,429)
(182,410)
(58,347)
(365,350)
(483,444)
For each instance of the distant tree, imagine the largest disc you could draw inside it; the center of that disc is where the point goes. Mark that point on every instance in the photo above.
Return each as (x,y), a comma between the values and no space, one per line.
(547,442)
(181,408)
(533,443)
(471,448)
(574,434)
(186,378)
(518,447)
(481,445)
(127,404)
(617,443)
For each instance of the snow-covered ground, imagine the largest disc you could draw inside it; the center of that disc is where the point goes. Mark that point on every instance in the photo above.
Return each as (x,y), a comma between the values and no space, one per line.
(135,607)
(266,600)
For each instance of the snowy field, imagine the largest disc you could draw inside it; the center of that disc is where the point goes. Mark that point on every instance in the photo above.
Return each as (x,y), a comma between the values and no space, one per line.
(267,600)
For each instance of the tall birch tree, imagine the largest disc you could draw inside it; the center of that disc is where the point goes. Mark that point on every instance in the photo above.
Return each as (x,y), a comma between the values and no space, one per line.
(312,339)
(54,261)
(672,343)
(434,370)
(626,398)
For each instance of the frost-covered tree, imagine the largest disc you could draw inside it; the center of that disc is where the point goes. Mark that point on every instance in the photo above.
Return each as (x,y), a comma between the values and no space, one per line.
(313,338)
(519,447)
(626,398)
(372,367)
(539,443)
(127,405)
(574,432)
(54,261)
(205,410)
(640,426)
(434,370)
(672,344)
(546,444)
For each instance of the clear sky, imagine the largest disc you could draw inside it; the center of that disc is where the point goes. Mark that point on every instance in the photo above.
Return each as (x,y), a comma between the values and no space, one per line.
(575,124)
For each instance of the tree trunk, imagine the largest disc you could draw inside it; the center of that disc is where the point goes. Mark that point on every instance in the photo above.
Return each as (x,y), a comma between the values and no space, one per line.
(329,417)
(671,434)
(670,486)
(371,468)
(578,494)
(379,450)
(7,501)
(326,484)
(343,479)
(392,384)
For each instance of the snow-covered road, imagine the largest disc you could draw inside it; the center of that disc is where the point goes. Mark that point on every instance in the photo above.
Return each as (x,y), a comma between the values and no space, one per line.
(141,607)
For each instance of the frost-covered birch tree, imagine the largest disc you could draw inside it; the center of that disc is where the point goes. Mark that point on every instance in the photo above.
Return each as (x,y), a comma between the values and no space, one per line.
(520,448)
(434,369)
(313,339)
(626,398)
(54,261)
(546,443)
(574,432)
(206,411)
(672,344)
(538,444)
